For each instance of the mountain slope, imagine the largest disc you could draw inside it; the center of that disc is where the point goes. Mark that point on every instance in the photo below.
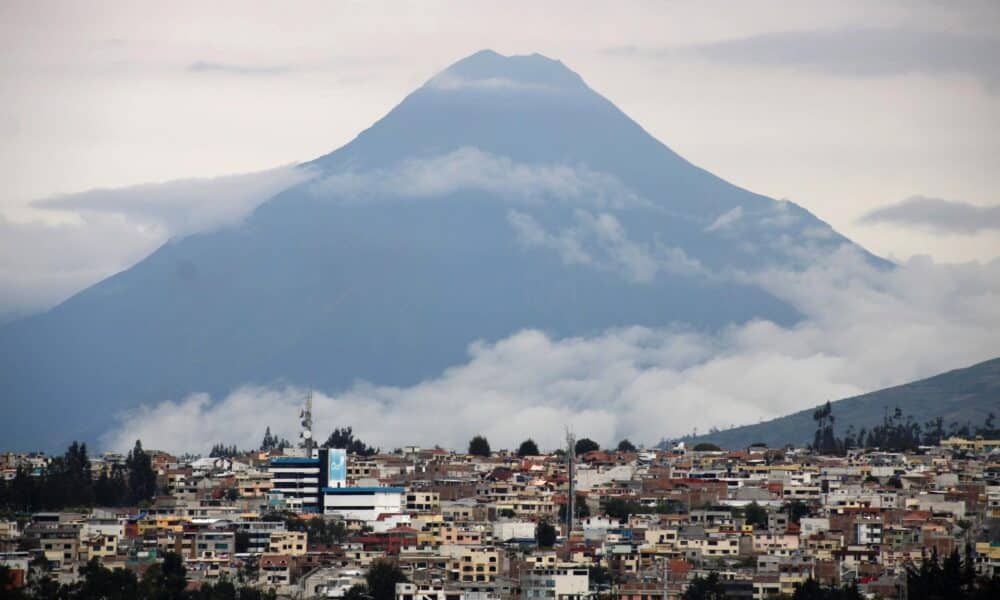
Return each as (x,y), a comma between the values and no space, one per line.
(503,194)
(962,395)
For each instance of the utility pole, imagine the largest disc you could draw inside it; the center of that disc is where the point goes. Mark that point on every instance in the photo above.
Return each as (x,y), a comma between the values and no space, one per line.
(570,470)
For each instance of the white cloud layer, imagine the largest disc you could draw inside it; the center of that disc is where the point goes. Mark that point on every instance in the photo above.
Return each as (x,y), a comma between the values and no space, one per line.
(43,263)
(471,168)
(102,232)
(185,206)
(600,240)
(864,329)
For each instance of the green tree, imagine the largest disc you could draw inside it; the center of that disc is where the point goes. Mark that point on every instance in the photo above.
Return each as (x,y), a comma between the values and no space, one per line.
(626,446)
(545,535)
(344,438)
(620,508)
(705,588)
(99,582)
(796,509)
(706,447)
(585,445)
(479,446)
(579,507)
(755,515)
(528,448)
(356,592)
(382,578)
(165,580)
(141,476)
(810,589)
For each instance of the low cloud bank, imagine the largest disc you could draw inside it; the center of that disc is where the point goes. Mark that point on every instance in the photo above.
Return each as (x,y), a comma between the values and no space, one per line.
(106,231)
(865,328)
(185,206)
(470,168)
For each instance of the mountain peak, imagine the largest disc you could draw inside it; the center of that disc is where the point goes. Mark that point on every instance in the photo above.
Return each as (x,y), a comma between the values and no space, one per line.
(488,69)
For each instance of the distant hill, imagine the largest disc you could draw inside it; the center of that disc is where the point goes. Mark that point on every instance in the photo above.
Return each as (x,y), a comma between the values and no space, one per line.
(962,395)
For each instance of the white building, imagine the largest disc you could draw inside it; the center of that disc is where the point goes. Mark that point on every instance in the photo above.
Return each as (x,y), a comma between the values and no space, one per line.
(558,583)
(362,503)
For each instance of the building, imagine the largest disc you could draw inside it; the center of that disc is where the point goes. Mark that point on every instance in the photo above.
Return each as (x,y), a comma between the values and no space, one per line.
(559,583)
(362,503)
(297,481)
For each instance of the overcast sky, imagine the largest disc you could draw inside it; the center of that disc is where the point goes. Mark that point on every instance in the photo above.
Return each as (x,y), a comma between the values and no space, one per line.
(880,117)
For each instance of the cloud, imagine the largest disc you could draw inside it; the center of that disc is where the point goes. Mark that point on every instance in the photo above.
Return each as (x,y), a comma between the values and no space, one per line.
(863,329)
(204,66)
(450,81)
(106,231)
(600,240)
(185,206)
(42,263)
(473,169)
(726,219)
(937,215)
(850,52)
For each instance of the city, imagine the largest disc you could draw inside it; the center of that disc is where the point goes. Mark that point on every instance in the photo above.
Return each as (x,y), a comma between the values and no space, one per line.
(345,520)
(480,300)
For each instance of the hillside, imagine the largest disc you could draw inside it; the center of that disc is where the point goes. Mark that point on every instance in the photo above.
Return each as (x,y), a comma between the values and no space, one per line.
(962,395)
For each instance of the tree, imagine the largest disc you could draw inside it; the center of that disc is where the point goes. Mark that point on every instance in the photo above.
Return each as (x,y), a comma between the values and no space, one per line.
(824,441)
(356,592)
(382,578)
(626,446)
(479,446)
(6,585)
(579,507)
(756,515)
(796,509)
(344,438)
(99,582)
(705,588)
(269,442)
(545,535)
(165,580)
(223,451)
(528,448)
(706,447)
(141,476)
(810,589)
(619,508)
(585,445)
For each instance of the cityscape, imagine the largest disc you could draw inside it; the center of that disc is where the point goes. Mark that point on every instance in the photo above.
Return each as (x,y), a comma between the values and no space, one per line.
(480,300)
(342,519)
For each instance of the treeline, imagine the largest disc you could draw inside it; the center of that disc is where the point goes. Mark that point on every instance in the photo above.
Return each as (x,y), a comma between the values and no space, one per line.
(620,508)
(344,438)
(270,442)
(896,433)
(339,438)
(951,578)
(161,581)
(68,482)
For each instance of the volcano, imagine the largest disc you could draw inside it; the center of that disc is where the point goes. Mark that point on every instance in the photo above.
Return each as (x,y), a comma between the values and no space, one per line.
(503,194)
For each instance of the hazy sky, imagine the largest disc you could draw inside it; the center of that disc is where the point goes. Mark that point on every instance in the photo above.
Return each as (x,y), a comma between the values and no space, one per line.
(880,117)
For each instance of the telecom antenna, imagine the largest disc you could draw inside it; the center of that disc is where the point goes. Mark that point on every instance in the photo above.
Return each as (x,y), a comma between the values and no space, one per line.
(306,435)
(570,470)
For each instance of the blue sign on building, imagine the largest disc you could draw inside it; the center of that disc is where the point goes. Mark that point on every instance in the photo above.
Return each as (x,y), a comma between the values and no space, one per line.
(337,467)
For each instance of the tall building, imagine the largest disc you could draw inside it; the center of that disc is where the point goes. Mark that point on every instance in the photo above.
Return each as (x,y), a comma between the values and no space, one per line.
(298,482)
